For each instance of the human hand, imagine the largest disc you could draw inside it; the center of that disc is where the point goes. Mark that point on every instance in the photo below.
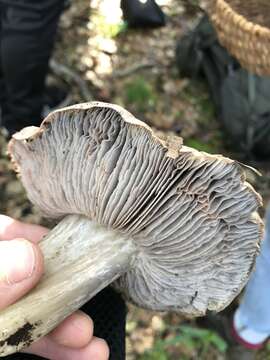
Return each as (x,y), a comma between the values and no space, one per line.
(21,266)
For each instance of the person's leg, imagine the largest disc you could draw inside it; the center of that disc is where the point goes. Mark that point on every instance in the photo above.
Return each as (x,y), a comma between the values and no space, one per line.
(252,319)
(28,33)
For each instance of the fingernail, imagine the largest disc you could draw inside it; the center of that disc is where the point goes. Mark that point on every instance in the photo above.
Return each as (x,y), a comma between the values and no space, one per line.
(17,261)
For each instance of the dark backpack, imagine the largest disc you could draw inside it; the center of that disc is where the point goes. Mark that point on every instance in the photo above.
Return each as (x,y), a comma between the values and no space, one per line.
(242,100)
(142,14)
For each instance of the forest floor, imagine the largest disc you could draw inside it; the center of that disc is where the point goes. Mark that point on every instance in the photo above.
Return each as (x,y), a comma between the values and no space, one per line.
(98,58)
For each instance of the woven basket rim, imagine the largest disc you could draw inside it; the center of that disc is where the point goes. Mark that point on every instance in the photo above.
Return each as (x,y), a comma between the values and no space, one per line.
(242,21)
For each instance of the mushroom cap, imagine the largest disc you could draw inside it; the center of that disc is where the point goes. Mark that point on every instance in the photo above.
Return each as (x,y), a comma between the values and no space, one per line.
(192,215)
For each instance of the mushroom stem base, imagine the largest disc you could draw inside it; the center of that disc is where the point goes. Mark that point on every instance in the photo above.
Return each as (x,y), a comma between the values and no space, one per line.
(81,258)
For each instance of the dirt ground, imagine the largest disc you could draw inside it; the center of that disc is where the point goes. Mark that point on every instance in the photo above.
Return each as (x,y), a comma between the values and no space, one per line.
(97,57)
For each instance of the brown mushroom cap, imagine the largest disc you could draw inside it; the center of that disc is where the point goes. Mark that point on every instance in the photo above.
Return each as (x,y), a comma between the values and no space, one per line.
(192,215)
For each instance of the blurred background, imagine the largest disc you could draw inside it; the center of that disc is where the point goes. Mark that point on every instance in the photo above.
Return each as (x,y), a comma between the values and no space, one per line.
(99,57)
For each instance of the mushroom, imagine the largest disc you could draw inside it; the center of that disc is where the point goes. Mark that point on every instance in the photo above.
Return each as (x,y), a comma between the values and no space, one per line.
(171,227)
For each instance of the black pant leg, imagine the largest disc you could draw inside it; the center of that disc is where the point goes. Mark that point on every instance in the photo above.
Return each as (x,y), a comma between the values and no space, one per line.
(27,39)
(108,311)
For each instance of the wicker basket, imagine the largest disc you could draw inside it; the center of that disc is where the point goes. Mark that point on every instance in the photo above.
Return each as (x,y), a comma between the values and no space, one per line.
(243,27)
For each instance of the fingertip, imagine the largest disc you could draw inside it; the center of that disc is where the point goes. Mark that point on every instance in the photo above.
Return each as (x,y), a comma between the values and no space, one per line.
(99,349)
(21,267)
(39,264)
(33,232)
(37,267)
(46,347)
(76,331)
(11,228)
(6,222)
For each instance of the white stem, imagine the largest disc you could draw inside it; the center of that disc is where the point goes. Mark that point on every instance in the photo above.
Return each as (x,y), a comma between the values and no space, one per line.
(81,258)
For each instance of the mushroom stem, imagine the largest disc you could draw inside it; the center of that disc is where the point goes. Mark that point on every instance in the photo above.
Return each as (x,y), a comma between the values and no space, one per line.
(81,258)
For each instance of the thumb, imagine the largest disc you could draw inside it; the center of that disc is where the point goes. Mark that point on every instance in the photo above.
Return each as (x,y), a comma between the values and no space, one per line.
(21,266)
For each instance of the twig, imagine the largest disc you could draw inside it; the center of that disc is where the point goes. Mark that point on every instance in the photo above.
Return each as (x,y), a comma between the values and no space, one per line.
(133,69)
(71,75)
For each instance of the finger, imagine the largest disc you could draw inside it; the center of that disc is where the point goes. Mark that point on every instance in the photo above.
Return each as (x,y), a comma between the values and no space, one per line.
(11,229)
(76,331)
(21,266)
(97,349)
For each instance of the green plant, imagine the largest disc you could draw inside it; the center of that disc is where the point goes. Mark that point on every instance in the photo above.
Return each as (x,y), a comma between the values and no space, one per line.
(201,337)
(158,352)
(109,30)
(199,145)
(140,93)
(189,337)
(197,94)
